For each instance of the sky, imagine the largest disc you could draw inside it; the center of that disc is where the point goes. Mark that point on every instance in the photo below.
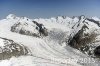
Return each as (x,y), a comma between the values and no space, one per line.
(49,8)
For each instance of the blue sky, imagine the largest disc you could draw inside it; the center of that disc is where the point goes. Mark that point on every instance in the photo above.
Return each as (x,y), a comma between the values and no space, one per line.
(49,8)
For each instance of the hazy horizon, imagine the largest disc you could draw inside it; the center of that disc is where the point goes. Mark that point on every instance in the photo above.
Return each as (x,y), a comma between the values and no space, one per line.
(49,8)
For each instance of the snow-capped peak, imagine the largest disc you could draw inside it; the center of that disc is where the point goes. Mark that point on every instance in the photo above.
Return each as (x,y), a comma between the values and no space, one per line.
(82,18)
(11,16)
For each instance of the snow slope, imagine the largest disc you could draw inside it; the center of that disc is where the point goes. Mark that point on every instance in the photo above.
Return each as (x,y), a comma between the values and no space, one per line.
(51,50)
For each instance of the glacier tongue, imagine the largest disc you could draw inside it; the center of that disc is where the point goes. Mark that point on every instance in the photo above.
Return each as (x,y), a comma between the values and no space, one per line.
(46,51)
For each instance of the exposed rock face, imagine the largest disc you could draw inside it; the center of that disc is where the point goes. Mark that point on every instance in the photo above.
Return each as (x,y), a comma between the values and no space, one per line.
(83,35)
(41,28)
(80,39)
(97,51)
(9,48)
(24,29)
(33,29)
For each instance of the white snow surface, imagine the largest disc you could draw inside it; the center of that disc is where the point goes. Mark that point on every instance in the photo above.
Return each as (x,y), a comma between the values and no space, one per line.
(1,43)
(47,51)
(96,18)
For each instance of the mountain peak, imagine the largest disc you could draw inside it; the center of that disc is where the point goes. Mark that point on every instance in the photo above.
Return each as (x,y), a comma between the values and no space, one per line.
(11,16)
(82,17)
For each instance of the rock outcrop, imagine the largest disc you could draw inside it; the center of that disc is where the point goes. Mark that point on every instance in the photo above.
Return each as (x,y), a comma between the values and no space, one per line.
(9,48)
(83,35)
(34,29)
(97,51)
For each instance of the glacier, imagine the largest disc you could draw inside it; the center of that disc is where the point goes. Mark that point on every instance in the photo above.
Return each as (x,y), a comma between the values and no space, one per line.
(52,49)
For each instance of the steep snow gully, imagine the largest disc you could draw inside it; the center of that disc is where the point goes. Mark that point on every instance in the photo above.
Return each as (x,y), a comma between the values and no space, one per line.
(58,41)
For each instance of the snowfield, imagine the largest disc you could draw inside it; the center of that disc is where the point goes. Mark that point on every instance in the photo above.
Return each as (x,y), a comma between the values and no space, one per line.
(51,50)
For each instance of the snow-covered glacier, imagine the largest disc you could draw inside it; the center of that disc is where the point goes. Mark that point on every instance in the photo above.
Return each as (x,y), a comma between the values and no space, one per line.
(57,41)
